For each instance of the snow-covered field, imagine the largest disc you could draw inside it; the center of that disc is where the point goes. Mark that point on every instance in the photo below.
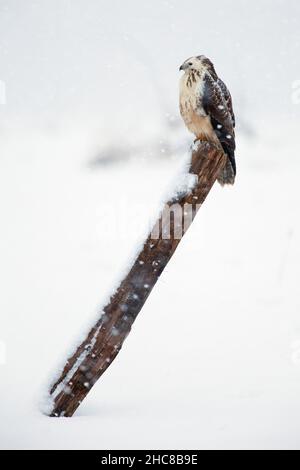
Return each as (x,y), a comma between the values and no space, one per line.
(213,360)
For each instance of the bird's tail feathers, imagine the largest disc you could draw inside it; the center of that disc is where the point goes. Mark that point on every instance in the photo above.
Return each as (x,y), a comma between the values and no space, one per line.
(227,175)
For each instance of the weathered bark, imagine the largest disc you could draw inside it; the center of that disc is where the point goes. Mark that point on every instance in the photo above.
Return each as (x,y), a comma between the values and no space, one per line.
(105,339)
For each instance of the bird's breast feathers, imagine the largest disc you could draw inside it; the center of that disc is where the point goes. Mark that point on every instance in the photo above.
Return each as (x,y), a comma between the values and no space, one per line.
(192,112)
(191,92)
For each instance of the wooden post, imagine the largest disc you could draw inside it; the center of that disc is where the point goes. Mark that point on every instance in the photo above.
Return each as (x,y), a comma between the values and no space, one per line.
(105,339)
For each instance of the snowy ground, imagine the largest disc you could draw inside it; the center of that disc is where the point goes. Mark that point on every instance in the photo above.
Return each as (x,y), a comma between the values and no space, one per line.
(213,360)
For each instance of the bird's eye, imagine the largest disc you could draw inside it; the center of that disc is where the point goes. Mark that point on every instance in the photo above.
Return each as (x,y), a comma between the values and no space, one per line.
(190,63)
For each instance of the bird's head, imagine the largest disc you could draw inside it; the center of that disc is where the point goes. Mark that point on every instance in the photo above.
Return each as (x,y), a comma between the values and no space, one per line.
(197,64)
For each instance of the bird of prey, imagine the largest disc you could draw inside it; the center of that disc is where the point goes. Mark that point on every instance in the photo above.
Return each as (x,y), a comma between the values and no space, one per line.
(206,108)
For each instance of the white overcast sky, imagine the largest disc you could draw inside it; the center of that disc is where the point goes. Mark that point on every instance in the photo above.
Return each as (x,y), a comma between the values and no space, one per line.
(113,56)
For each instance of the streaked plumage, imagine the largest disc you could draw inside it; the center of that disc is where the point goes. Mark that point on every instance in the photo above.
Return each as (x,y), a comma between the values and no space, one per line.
(206,108)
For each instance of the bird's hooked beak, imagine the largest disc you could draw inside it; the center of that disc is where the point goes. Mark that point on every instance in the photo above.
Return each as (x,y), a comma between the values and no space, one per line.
(183,66)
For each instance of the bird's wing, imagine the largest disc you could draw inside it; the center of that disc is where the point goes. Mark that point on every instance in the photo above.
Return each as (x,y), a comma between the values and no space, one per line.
(216,102)
(227,97)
